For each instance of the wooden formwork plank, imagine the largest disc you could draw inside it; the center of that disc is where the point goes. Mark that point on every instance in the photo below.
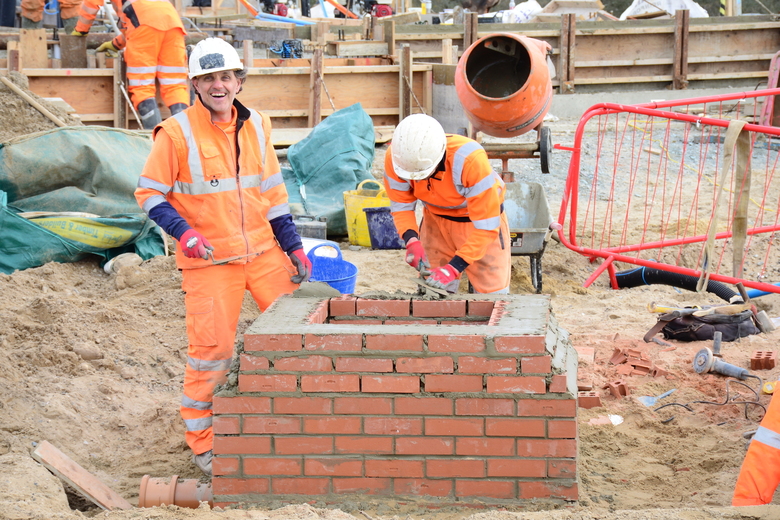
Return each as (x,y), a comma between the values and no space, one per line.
(33,49)
(88,95)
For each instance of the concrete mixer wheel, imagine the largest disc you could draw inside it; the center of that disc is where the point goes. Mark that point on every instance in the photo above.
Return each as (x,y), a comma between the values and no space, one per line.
(545,149)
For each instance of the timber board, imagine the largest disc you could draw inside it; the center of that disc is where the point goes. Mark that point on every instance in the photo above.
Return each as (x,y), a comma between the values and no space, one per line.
(88,95)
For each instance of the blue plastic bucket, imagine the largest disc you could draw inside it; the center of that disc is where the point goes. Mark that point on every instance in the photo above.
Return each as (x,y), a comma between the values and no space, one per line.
(334,271)
(381,229)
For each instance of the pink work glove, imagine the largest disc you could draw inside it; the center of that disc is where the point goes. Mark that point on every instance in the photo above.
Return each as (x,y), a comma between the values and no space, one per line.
(441,277)
(303,264)
(194,245)
(415,254)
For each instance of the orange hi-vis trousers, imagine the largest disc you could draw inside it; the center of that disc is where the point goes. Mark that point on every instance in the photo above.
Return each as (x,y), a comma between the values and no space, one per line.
(441,238)
(153,54)
(213,300)
(760,473)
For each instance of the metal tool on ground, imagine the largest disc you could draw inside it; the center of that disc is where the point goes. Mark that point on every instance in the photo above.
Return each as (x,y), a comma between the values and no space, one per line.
(717,339)
(705,361)
(649,400)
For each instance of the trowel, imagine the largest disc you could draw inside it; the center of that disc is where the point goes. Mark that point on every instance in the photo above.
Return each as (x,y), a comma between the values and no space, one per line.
(649,400)
(423,288)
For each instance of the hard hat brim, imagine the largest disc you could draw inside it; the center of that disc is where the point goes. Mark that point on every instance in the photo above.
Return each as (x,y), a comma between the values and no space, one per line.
(211,71)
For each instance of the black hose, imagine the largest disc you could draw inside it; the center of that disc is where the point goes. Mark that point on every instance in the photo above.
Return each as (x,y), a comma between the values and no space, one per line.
(649,276)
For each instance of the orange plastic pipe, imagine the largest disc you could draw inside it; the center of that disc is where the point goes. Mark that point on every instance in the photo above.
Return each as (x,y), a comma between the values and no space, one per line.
(183,493)
(249,7)
(342,9)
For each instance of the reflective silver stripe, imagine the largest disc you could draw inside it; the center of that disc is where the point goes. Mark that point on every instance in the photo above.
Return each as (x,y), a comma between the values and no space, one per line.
(145,182)
(196,425)
(193,157)
(398,185)
(271,182)
(250,181)
(278,211)
(487,224)
(766,436)
(459,158)
(459,206)
(90,10)
(201,365)
(151,202)
(205,188)
(402,206)
(258,122)
(187,402)
(171,81)
(138,82)
(480,187)
(172,70)
(141,70)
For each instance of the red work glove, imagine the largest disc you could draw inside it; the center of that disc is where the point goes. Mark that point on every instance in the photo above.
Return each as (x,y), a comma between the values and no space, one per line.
(194,245)
(415,254)
(303,264)
(441,277)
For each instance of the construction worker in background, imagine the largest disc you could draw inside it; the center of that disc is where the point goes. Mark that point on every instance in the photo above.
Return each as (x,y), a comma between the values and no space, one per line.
(464,227)
(153,38)
(32,13)
(759,477)
(213,182)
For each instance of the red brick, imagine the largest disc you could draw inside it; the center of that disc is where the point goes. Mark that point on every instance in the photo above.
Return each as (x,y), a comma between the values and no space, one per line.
(342,306)
(320,314)
(382,307)
(333,467)
(500,427)
(588,400)
(334,425)
(439,309)
(250,362)
(267,383)
(392,426)
(254,424)
(480,308)
(330,383)
(480,365)
(394,468)
(241,404)
(272,466)
(763,360)
(516,468)
(394,342)
(224,465)
(423,487)
(275,342)
(240,486)
(367,486)
(482,407)
(546,448)
(363,405)
(484,447)
(431,365)
(359,364)
(454,383)
(474,468)
(566,491)
(547,407)
(304,364)
(562,468)
(299,445)
(303,405)
(516,384)
(364,445)
(562,429)
(241,445)
(424,446)
(226,425)
(300,486)
(423,406)
(519,344)
(461,427)
(485,488)
(453,343)
(391,384)
(558,383)
(338,342)
(536,364)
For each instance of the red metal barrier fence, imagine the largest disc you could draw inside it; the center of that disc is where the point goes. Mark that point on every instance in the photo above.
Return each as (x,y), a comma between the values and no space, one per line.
(679,185)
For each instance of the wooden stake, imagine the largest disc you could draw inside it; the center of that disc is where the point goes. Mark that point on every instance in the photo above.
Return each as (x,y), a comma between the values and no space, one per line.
(405,82)
(566,58)
(315,85)
(470,29)
(22,94)
(14,58)
(249,54)
(446,51)
(389,30)
(682,20)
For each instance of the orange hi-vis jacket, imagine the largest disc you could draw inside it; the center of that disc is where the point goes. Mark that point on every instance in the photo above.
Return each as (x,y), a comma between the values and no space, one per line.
(227,194)
(760,474)
(468,189)
(159,14)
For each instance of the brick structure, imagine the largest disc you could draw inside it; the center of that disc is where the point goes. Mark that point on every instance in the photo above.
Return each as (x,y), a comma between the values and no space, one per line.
(452,400)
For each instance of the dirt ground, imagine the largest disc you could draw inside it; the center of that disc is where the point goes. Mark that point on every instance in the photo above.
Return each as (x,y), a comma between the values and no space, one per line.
(94,364)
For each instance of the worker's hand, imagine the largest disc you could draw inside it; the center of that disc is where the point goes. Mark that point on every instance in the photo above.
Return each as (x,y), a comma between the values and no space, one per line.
(303,264)
(415,254)
(78,33)
(441,277)
(195,245)
(108,47)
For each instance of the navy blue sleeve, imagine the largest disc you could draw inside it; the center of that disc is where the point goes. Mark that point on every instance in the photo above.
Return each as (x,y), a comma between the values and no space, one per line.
(286,234)
(166,216)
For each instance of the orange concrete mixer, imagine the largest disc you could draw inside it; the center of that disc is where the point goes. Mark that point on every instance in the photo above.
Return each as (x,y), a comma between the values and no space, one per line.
(504,85)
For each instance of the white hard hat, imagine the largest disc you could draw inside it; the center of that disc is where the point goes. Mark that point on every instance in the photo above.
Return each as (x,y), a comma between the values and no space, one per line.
(419,143)
(213,55)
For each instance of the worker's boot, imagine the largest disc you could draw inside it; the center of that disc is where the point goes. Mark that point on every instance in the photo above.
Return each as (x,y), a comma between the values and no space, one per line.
(177,107)
(150,114)
(69,24)
(203,461)
(29,24)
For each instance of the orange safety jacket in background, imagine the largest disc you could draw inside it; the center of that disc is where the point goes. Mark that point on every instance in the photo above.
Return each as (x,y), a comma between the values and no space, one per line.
(467,189)
(33,9)
(158,14)
(760,474)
